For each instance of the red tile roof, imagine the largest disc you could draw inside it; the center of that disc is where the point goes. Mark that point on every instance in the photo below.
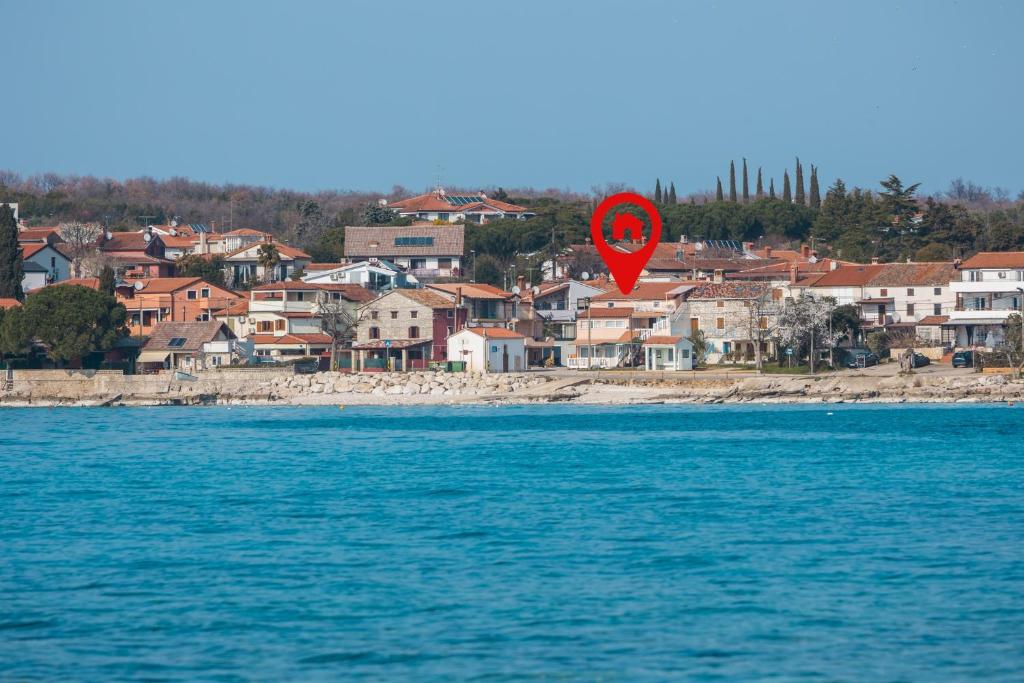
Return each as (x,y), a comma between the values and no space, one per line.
(645,291)
(434,202)
(662,339)
(599,312)
(9,303)
(933,320)
(728,290)
(995,259)
(472,290)
(422,296)
(493,332)
(265,339)
(90,282)
(849,276)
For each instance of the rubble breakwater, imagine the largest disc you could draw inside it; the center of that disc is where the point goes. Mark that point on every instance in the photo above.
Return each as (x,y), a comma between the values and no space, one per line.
(262,387)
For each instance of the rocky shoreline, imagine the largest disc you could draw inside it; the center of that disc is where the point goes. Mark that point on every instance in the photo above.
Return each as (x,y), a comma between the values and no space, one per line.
(76,388)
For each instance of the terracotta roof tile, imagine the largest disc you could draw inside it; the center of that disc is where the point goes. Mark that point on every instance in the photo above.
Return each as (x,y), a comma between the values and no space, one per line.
(995,259)
(493,332)
(369,241)
(9,303)
(662,339)
(195,334)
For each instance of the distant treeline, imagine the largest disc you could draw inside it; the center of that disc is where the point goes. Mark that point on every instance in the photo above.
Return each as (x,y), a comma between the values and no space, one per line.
(890,221)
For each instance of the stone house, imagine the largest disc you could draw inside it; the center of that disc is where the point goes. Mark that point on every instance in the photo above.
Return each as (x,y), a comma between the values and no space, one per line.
(406,329)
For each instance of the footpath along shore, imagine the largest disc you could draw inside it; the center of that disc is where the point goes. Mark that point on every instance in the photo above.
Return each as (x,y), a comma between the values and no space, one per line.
(48,388)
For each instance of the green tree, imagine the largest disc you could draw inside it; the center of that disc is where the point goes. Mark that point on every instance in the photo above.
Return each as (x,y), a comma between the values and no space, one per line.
(107,279)
(815,197)
(746,183)
(898,201)
(759,192)
(846,320)
(11,267)
(878,343)
(933,251)
(732,181)
(375,214)
(718,189)
(657,191)
(700,347)
(488,270)
(787,194)
(330,246)
(73,321)
(211,270)
(15,337)
(798,196)
(672,193)
(771,188)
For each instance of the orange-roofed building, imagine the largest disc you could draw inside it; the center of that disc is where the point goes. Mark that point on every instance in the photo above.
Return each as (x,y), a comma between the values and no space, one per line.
(457,208)
(488,349)
(6,304)
(988,288)
(243,264)
(172,299)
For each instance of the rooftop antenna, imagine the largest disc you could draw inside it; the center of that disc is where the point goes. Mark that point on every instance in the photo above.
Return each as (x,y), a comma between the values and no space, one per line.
(438,189)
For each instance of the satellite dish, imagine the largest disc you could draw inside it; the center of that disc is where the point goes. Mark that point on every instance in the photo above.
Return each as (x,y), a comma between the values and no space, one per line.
(146,236)
(139,285)
(516,290)
(535,289)
(585,275)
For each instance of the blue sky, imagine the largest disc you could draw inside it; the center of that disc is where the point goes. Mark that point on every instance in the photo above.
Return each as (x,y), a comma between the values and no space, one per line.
(365,95)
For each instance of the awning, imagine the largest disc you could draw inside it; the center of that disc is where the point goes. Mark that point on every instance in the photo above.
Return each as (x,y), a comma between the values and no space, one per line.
(153,356)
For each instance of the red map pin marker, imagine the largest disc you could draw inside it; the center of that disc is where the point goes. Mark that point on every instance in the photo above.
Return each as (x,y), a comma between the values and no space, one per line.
(625,266)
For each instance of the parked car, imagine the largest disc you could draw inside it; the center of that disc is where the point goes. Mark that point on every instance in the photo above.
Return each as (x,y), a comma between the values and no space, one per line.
(921,360)
(861,358)
(963,359)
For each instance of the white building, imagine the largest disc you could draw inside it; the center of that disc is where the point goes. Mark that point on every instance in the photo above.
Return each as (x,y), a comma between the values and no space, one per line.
(488,349)
(375,275)
(668,352)
(426,252)
(989,288)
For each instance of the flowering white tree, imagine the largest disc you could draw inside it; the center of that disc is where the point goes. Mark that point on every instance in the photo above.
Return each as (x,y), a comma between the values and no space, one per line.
(805,325)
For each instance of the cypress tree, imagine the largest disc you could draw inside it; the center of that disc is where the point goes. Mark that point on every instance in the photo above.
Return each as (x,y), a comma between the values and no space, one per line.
(718,190)
(760,185)
(657,191)
(672,193)
(11,268)
(771,188)
(815,198)
(787,195)
(732,181)
(746,184)
(798,197)
(107,280)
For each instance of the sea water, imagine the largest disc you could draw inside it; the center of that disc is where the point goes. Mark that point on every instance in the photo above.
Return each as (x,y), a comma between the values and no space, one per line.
(868,543)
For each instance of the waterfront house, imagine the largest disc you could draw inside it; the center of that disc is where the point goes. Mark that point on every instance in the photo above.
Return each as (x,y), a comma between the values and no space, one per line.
(668,352)
(191,347)
(488,349)
(547,317)
(988,288)
(426,252)
(286,318)
(406,329)
(486,305)
(150,301)
(733,317)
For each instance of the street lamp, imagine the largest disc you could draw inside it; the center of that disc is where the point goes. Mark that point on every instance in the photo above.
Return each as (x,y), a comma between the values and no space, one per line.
(1021,309)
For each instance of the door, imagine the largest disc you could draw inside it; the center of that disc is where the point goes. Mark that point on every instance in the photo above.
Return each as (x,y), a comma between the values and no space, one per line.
(881,314)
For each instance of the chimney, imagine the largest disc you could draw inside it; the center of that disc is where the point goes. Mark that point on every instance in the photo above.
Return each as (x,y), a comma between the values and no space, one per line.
(767,252)
(956,263)
(719,277)
(748,247)
(794,271)
(805,251)
(683,239)
(832,265)
(458,298)
(874,260)
(204,248)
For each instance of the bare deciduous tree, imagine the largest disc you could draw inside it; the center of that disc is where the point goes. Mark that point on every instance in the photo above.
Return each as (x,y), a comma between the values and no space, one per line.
(80,242)
(339,320)
(763,320)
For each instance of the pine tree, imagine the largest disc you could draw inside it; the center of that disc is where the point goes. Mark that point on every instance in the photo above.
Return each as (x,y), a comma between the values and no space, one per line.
(771,188)
(657,191)
(815,198)
(798,197)
(787,195)
(11,267)
(732,181)
(760,185)
(718,190)
(746,184)
(672,193)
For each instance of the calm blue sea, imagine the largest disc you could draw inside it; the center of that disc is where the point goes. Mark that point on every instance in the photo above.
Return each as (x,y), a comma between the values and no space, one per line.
(857,543)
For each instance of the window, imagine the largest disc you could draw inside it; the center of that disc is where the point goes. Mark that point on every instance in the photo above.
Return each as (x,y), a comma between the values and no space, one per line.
(763,323)
(686,353)
(910,309)
(450,312)
(720,323)
(974,275)
(176,342)
(191,295)
(883,292)
(937,291)
(442,216)
(412,314)
(414,332)
(444,263)
(374,315)
(394,315)
(910,291)
(450,330)
(374,333)
(720,304)
(279,325)
(264,326)
(670,355)
(205,292)
(937,309)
